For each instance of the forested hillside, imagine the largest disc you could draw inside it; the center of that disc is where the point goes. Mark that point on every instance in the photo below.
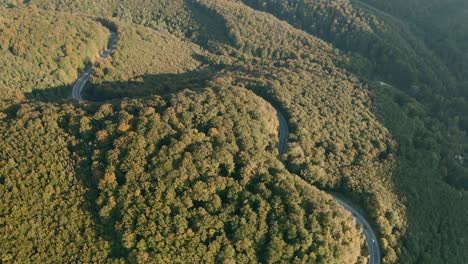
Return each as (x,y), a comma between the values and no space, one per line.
(429,177)
(443,26)
(396,55)
(42,214)
(142,59)
(166,15)
(42,49)
(173,156)
(147,181)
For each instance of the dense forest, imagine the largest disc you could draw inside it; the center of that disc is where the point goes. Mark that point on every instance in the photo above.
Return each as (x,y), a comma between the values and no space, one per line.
(443,26)
(42,49)
(147,181)
(396,55)
(132,72)
(173,157)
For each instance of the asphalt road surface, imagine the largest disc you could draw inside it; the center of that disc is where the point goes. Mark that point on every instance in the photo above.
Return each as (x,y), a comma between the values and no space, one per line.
(371,238)
(86,75)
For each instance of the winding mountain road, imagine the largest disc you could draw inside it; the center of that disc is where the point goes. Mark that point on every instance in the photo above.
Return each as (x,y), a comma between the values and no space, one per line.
(86,75)
(371,238)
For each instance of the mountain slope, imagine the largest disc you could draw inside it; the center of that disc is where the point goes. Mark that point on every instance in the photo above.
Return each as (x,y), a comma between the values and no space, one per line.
(43,49)
(175,153)
(396,54)
(142,55)
(164,184)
